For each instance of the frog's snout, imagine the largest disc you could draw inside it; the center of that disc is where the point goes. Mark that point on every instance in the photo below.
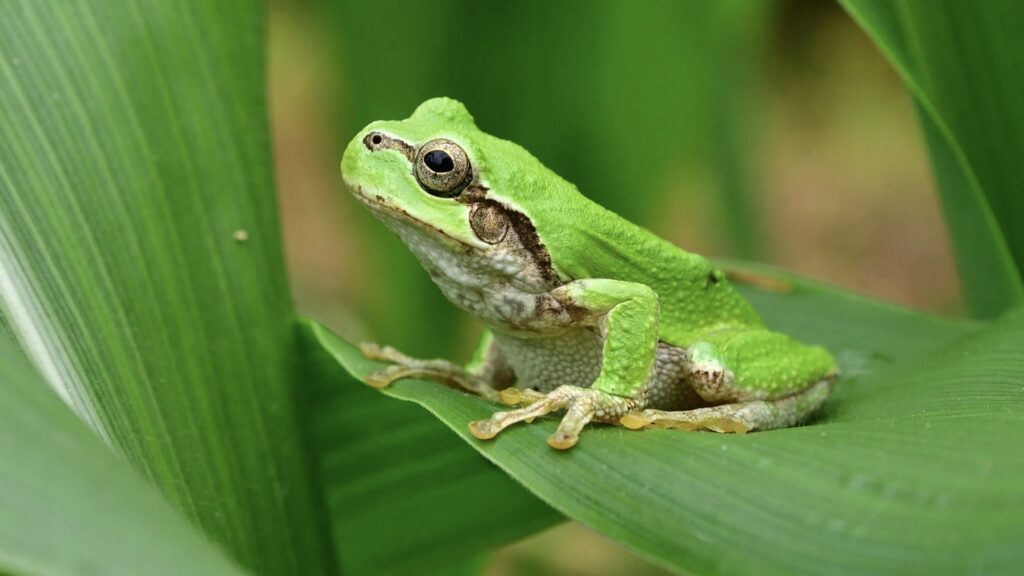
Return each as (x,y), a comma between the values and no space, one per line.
(378,141)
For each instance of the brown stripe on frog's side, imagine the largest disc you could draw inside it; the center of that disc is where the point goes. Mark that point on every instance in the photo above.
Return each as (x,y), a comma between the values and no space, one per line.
(475,196)
(380,141)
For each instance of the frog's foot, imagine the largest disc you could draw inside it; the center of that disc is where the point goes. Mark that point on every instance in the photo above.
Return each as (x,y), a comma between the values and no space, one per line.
(735,418)
(581,405)
(407,367)
(739,417)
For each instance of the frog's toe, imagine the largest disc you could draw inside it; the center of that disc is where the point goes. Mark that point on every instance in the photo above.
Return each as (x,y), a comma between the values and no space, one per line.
(582,405)
(386,376)
(372,351)
(369,349)
(563,440)
(636,420)
(582,409)
(520,396)
(489,428)
(511,396)
(380,378)
(484,429)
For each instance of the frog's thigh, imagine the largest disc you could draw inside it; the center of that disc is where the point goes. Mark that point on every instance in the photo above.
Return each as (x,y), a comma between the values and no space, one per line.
(762,380)
(746,365)
(739,417)
(668,387)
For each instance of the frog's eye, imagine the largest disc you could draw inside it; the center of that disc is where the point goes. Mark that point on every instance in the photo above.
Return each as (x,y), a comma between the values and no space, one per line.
(442,168)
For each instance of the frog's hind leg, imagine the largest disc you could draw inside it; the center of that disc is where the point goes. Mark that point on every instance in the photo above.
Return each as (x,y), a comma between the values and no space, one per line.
(753,379)
(738,417)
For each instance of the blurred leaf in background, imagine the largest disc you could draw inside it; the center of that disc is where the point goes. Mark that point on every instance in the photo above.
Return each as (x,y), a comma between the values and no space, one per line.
(962,62)
(622,102)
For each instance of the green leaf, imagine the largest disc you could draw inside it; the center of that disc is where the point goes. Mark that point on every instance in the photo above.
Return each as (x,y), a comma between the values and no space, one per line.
(68,505)
(140,259)
(404,494)
(914,466)
(961,62)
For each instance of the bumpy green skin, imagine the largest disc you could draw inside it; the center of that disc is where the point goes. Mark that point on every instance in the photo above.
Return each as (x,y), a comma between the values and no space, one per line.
(639,288)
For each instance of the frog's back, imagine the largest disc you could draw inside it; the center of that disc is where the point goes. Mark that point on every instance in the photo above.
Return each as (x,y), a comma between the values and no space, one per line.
(694,296)
(586,240)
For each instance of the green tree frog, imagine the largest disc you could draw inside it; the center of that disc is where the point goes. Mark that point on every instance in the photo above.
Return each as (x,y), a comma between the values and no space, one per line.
(586,312)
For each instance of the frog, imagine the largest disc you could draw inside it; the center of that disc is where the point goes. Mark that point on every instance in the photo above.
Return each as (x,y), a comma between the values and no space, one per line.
(587,315)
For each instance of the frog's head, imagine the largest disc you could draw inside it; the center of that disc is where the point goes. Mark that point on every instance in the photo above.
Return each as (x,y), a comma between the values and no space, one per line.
(418,171)
(450,191)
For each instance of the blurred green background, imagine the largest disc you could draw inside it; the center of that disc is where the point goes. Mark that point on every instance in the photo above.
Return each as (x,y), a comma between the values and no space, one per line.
(770,131)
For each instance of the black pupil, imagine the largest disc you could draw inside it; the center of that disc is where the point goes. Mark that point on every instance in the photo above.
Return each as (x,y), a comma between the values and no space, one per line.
(439,161)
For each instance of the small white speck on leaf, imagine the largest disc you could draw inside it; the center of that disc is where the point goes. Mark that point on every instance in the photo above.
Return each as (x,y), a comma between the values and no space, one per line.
(240,236)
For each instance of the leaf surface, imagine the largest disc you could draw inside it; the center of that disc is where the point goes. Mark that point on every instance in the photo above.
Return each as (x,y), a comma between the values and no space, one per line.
(68,505)
(140,259)
(913,467)
(404,494)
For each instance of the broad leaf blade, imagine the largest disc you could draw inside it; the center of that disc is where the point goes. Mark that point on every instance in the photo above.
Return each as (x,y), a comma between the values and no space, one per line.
(961,62)
(68,505)
(140,261)
(404,494)
(913,467)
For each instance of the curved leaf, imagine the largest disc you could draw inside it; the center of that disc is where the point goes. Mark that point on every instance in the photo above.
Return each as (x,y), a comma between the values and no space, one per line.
(68,505)
(394,477)
(912,468)
(961,61)
(140,264)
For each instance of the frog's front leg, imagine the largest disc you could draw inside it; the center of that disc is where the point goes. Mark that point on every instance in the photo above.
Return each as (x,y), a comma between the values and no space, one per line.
(485,375)
(626,313)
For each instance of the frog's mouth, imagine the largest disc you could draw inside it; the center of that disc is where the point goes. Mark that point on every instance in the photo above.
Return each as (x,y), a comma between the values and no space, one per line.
(379,204)
(399,219)
(373,201)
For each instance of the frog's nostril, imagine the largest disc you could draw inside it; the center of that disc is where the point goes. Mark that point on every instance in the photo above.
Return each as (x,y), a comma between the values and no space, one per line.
(373,141)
